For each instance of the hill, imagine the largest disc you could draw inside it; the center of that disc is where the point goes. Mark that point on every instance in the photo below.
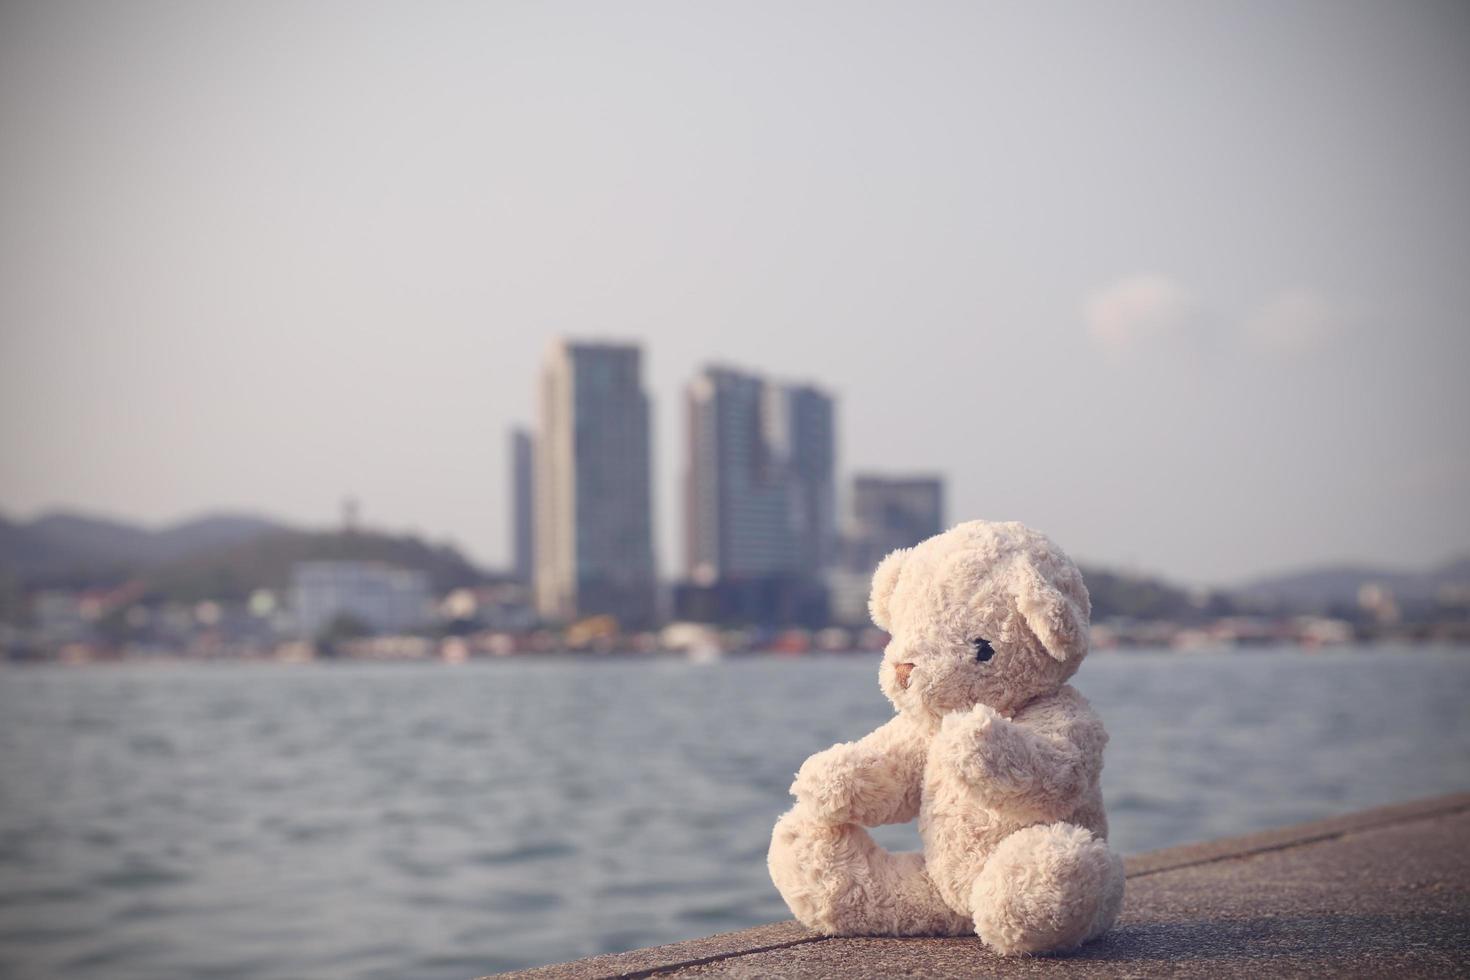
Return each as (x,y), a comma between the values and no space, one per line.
(1339,585)
(1136,597)
(215,556)
(78,550)
(265,562)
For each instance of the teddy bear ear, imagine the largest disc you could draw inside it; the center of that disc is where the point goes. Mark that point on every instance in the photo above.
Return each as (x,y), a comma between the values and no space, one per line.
(885,578)
(1058,620)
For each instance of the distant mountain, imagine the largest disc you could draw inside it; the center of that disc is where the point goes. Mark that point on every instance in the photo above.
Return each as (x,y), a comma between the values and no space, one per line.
(64,538)
(211,531)
(215,556)
(64,547)
(1339,585)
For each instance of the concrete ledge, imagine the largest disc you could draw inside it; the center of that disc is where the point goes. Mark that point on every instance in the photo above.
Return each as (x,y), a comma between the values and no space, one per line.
(1367,894)
(1168,858)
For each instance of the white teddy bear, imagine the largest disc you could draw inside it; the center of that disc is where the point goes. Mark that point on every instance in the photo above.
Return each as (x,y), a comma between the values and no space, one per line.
(991,749)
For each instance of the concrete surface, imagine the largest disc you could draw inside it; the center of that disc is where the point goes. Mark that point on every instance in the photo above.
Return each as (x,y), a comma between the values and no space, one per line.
(1379,893)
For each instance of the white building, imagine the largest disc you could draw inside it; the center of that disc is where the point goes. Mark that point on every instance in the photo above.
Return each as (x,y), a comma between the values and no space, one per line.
(383,598)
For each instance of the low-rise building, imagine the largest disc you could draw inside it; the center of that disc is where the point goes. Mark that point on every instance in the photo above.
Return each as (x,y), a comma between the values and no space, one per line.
(380,597)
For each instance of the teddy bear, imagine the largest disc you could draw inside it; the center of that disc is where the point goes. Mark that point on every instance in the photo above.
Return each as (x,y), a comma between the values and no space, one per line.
(992,750)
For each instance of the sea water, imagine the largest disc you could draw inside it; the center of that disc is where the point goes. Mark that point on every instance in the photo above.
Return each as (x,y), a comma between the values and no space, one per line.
(399,821)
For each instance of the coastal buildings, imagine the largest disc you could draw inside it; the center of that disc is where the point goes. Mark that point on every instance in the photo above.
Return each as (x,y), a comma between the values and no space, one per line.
(759,498)
(522,511)
(760,544)
(593,538)
(382,598)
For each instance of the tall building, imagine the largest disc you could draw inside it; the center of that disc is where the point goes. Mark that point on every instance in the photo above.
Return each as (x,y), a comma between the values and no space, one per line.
(593,500)
(735,496)
(759,491)
(807,420)
(522,511)
(759,499)
(890,512)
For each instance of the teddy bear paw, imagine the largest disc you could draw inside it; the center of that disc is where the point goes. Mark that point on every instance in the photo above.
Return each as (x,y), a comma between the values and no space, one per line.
(1047,888)
(832,784)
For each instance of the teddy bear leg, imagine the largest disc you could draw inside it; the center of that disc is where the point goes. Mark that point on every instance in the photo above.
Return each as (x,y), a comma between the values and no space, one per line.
(1047,888)
(837,881)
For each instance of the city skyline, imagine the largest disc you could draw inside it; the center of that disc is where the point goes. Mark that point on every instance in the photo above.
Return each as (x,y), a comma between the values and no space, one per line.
(1187,319)
(849,509)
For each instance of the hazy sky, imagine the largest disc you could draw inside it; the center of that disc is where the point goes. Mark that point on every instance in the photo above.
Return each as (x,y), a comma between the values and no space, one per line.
(1185,285)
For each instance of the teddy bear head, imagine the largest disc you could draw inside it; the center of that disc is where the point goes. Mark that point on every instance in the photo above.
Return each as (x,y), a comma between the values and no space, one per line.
(984,613)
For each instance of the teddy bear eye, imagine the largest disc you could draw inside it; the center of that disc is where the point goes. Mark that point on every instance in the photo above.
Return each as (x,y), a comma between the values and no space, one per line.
(983,650)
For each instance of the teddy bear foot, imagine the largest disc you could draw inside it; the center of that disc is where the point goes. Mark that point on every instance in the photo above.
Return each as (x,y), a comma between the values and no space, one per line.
(837,881)
(1046,889)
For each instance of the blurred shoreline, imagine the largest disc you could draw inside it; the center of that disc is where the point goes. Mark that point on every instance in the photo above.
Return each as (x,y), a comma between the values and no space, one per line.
(80,590)
(458,651)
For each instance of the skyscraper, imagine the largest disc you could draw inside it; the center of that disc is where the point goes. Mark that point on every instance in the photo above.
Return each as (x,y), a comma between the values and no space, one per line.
(522,511)
(594,524)
(759,493)
(737,501)
(808,420)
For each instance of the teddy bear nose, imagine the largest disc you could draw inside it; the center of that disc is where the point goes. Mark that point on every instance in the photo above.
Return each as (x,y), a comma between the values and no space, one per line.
(902,672)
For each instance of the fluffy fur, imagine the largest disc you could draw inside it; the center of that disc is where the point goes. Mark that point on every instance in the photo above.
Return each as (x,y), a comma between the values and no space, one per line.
(999,760)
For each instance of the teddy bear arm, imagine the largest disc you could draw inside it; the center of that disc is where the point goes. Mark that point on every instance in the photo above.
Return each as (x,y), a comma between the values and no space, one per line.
(1041,769)
(875,780)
